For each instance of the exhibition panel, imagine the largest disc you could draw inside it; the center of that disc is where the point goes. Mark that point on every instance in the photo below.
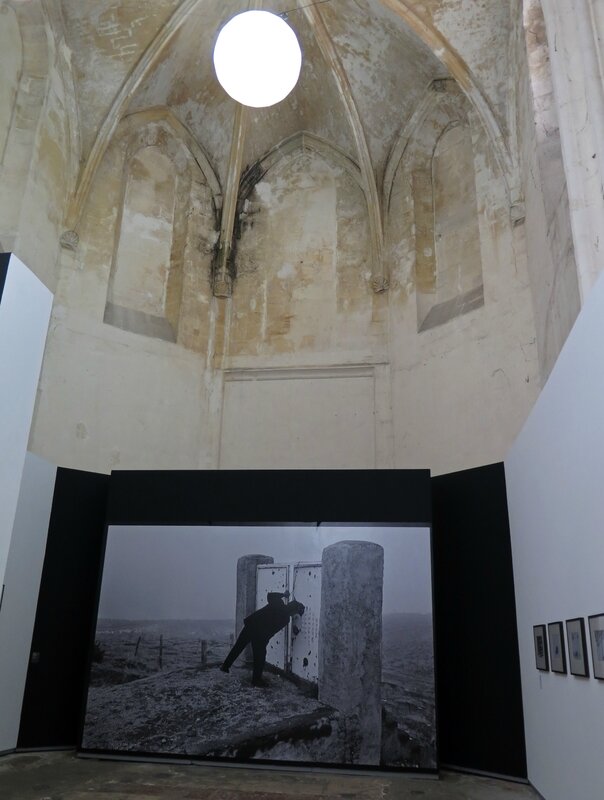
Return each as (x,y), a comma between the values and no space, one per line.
(178,565)
(59,648)
(190,615)
(196,632)
(481,725)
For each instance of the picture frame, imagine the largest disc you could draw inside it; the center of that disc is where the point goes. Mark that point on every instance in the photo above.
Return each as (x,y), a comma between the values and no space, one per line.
(541,653)
(596,637)
(557,652)
(577,647)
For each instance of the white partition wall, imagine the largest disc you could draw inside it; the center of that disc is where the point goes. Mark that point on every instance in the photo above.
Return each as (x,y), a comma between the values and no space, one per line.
(555,482)
(25,306)
(23,573)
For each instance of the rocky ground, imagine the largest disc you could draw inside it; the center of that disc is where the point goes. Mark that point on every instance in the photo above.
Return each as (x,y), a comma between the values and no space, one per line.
(201,711)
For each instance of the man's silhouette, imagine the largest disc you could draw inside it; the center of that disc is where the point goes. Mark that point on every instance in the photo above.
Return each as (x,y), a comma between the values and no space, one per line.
(259,628)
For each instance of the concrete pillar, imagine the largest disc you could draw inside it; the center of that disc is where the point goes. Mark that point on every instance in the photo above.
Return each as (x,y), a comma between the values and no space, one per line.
(350,644)
(246,590)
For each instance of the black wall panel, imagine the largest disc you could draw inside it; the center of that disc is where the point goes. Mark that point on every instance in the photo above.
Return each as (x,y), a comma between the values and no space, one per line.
(65,613)
(478,677)
(186,497)
(4,259)
(478,672)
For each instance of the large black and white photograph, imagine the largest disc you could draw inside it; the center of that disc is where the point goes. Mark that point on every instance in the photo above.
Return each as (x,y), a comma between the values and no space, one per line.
(309,645)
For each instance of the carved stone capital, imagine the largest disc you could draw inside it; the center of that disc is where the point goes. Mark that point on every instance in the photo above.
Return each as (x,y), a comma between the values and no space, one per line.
(223,285)
(380,284)
(69,240)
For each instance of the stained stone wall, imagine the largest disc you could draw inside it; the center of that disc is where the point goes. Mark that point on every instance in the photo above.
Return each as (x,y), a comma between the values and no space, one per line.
(303,308)
(469,381)
(548,241)
(468,222)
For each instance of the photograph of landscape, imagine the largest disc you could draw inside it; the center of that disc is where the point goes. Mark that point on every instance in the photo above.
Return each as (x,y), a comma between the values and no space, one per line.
(167,621)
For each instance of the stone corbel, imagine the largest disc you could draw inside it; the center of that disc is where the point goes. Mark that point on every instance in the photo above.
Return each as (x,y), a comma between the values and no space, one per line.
(69,240)
(380,284)
(223,285)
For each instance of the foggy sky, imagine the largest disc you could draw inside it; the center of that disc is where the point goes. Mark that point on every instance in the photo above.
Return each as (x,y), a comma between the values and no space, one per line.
(189,572)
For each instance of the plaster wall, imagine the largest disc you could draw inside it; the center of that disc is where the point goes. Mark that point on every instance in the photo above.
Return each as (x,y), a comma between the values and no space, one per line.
(305,366)
(553,475)
(576,60)
(38,135)
(461,390)
(25,51)
(548,240)
(112,399)
(273,421)
(120,394)
(480,32)
(52,168)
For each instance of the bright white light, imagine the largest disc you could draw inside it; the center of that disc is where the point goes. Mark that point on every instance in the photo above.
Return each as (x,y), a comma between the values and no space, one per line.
(257,58)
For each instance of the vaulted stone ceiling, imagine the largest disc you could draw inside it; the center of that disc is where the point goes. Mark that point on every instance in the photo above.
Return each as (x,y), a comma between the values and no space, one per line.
(159,54)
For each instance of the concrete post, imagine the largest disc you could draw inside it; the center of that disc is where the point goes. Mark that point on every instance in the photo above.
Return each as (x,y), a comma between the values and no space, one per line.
(350,644)
(246,591)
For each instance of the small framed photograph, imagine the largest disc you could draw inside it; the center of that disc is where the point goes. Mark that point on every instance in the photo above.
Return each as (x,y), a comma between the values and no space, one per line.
(577,647)
(596,635)
(557,653)
(540,648)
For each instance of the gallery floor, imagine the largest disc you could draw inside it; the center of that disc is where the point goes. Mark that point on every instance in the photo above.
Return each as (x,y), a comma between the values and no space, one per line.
(61,776)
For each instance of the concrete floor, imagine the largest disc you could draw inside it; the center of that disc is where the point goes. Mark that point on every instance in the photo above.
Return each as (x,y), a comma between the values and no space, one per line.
(62,776)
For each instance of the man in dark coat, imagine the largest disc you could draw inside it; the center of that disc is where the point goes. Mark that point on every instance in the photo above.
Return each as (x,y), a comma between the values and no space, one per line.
(259,628)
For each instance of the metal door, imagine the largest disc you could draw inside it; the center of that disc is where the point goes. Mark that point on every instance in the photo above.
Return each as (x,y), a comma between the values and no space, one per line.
(306,585)
(273,578)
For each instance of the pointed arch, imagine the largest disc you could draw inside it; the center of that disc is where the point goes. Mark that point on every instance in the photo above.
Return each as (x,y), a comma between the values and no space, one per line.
(120,104)
(467,82)
(139,119)
(438,91)
(163,227)
(302,141)
(439,45)
(435,153)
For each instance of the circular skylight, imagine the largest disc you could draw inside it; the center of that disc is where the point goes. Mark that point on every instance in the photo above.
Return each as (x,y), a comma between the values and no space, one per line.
(257,58)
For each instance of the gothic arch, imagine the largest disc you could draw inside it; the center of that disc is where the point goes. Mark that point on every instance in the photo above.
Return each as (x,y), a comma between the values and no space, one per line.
(439,45)
(302,141)
(135,123)
(165,176)
(436,155)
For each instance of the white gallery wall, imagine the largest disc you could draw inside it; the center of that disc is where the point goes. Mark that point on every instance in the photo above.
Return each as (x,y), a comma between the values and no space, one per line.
(555,482)
(23,574)
(25,308)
